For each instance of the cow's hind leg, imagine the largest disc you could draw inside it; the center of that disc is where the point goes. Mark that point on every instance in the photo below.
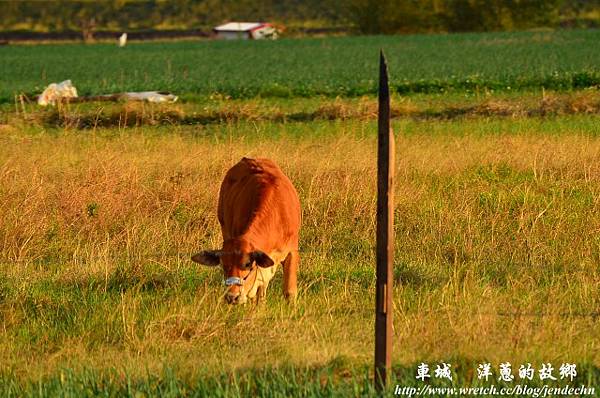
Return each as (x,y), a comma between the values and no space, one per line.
(290,275)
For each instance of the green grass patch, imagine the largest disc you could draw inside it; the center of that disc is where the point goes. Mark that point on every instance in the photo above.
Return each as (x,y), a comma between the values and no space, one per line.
(336,379)
(339,66)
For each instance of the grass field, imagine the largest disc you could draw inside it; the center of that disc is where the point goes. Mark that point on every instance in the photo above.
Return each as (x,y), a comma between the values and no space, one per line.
(102,204)
(497,254)
(290,68)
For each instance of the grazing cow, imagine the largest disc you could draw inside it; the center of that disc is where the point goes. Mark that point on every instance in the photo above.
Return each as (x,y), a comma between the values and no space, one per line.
(259,213)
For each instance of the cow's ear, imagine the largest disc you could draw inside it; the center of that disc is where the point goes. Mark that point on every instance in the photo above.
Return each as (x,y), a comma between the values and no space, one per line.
(211,258)
(261,259)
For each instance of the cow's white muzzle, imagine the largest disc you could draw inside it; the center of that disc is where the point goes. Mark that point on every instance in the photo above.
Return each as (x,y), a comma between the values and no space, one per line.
(235,298)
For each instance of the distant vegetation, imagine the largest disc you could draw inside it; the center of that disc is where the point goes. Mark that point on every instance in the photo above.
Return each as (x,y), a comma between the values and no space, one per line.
(366,16)
(302,68)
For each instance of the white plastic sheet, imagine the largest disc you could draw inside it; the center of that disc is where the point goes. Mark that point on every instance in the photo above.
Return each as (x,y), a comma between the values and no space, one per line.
(151,96)
(56,91)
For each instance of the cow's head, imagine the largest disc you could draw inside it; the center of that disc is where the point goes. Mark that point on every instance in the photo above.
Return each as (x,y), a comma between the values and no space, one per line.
(240,262)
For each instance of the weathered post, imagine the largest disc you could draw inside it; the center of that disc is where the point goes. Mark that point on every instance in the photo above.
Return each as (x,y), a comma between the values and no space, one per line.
(385,233)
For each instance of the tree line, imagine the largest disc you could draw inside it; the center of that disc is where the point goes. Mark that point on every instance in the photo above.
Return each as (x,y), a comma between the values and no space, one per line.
(363,16)
(410,16)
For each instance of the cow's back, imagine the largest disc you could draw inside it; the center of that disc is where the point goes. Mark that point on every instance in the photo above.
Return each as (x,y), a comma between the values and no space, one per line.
(258,201)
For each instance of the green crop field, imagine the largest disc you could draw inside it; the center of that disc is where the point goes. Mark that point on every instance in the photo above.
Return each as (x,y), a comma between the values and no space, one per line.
(497,214)
(330,66)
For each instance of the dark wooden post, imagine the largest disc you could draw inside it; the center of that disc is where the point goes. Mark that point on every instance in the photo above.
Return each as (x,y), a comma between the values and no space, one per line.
(385,233)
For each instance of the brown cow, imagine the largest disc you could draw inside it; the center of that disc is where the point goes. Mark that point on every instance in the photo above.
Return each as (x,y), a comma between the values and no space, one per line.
(259,213)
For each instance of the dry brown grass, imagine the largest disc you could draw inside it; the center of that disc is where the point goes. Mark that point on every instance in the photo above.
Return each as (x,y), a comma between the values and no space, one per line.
(497,248)
(216,110)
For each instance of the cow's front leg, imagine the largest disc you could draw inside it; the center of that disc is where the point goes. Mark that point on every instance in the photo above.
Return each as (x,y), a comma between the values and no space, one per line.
(261,294)
(290,275)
